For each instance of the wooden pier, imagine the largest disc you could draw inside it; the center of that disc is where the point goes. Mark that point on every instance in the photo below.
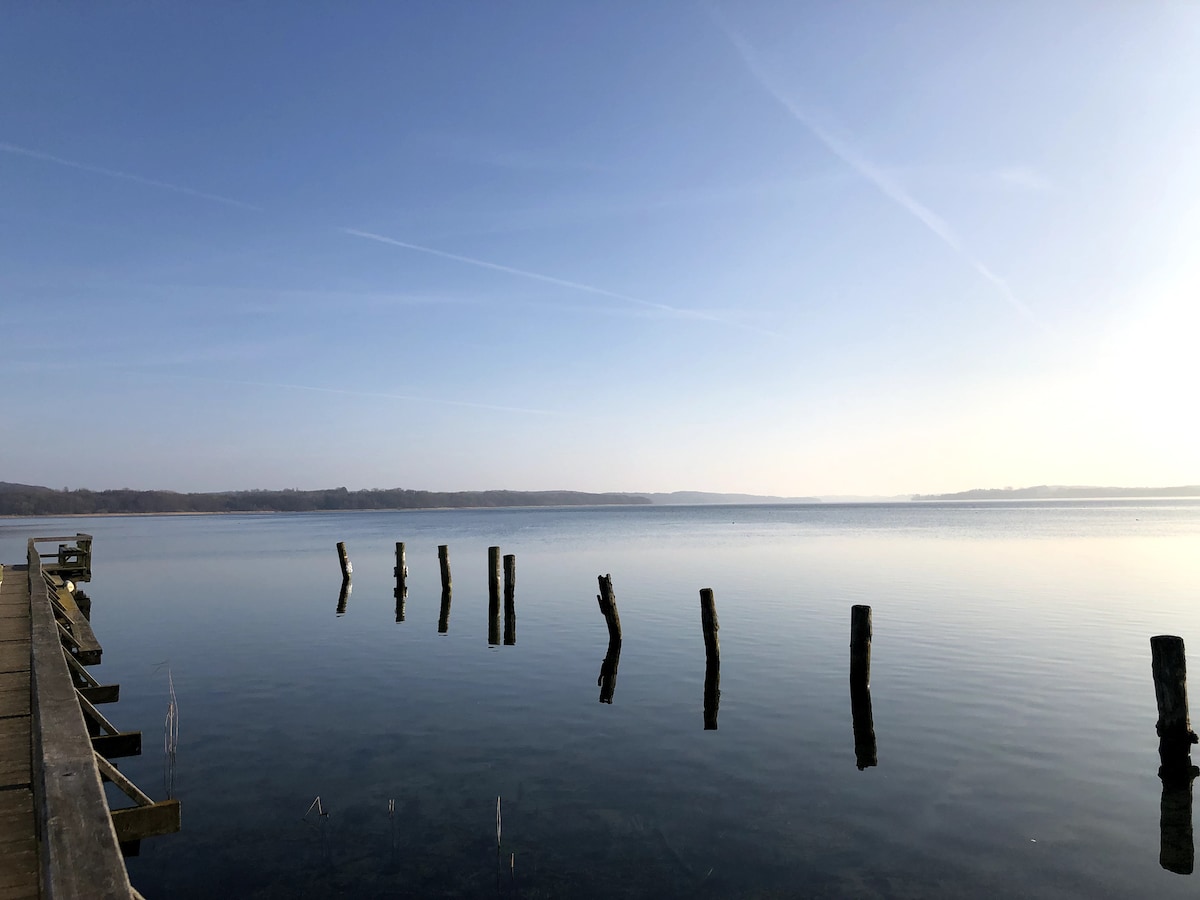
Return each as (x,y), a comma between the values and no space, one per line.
(58,837)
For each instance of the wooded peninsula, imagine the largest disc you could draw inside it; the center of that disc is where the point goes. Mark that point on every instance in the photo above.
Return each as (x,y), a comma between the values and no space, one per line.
(33,500)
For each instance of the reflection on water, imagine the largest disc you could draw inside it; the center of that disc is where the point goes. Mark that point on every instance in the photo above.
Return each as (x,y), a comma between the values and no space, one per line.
(607,682)
(1013,637)
(344,597)
(865,752)
(444,614)
(712,693)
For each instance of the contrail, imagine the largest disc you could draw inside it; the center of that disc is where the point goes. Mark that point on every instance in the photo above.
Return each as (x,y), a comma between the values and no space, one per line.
(887,185)
(113,173)
(537,276)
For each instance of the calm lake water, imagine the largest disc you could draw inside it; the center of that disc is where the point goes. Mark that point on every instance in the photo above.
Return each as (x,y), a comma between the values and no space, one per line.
(1013,705)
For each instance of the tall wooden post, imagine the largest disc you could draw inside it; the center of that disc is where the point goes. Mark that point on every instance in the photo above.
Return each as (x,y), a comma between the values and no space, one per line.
(608,607)
(344,560)
(493,595)
(1175,739)
(866,751)
(510,599)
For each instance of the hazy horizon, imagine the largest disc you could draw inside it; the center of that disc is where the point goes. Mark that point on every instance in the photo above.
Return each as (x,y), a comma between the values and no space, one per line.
(752,248)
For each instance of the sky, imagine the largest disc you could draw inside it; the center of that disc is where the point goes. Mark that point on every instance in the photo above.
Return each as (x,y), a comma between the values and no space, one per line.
(800,249)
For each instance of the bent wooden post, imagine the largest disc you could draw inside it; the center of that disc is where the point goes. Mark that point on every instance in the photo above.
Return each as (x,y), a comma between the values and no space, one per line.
(608,607)
(344,561)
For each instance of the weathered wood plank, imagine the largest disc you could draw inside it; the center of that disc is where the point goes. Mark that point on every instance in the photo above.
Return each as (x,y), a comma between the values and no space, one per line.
(14,694)
(15,752)
(80,857)
(14,656)
(137,822)
(112,746)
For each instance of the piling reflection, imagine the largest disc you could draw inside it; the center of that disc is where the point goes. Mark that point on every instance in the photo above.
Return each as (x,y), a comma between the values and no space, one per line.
(444,615)
(607,682)
(1176,844)
(866,752)
(401,594)
(510,600)
(493,620)
(712,693)
(344,597)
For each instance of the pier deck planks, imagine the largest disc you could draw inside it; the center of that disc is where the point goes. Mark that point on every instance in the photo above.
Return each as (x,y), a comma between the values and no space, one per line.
(18,829)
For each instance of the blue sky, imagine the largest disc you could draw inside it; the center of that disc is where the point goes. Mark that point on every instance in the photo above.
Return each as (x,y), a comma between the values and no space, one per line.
(803,249)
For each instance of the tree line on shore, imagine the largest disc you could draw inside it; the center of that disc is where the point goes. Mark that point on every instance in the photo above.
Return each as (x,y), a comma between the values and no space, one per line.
(33,500)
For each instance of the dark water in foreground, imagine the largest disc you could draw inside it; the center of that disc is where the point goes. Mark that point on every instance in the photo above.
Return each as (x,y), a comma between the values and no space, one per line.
(1013,705)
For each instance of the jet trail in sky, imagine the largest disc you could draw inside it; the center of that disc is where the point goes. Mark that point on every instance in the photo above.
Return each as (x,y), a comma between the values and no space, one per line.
(113,173)
(887,185)
(536,276)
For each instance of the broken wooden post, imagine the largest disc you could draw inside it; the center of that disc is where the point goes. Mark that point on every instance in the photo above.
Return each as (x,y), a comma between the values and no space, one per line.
(344,559)
(708,620)
(444,560)
(608,607)
(510,600)
(860,644)
(1175,739)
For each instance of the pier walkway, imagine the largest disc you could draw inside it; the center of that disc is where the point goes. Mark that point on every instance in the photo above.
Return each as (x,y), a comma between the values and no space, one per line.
(59,839)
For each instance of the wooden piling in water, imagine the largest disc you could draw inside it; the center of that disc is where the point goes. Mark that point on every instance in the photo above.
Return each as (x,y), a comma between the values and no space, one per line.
(1175,739)
(708,620)
(444,561)
(608,607)
(510,600)
(860,644)
(493,596)
(1169,666)
(344,560)
(866,751)
(401,573)
(444,613)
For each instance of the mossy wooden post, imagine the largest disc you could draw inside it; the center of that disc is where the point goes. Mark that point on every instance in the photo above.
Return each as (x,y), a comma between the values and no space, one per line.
(1175,739)
(344,560)
(401,573)
(444,561)
(510,600)
(608,607)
